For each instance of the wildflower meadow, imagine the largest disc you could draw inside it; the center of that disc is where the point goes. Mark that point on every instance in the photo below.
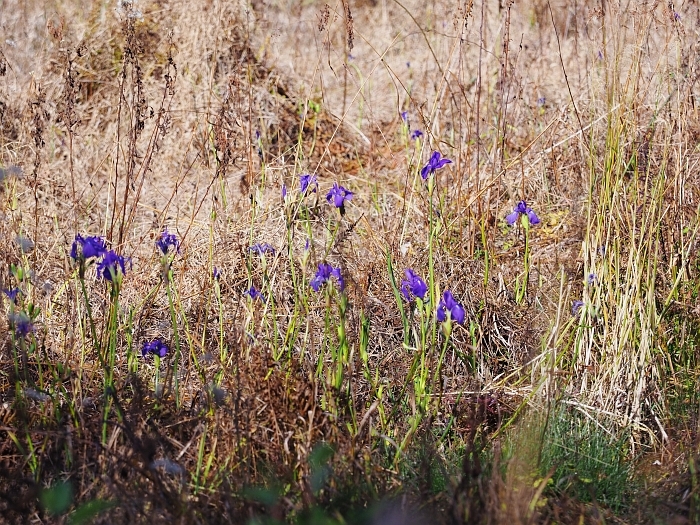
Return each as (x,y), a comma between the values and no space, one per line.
(372,262)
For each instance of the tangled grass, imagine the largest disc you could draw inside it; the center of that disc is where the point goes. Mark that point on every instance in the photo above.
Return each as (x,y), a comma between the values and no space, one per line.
(377,263)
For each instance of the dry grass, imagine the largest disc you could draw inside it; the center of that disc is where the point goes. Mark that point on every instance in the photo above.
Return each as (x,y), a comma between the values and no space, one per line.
(121,120)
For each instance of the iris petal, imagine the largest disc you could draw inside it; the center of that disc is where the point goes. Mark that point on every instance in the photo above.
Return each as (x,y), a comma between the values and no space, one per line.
(458,313)
(534,219)
(512,217)
(442,163)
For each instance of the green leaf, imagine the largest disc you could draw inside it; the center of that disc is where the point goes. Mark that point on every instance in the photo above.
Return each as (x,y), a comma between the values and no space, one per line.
(265,495)
(318,461)
(86,512)
(57,499)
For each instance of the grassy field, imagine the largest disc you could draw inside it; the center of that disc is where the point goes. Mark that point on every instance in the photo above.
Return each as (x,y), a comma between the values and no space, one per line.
(383,262)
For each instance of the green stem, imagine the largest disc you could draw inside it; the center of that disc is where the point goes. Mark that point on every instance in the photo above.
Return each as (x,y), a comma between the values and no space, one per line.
(176,336)
(109,359)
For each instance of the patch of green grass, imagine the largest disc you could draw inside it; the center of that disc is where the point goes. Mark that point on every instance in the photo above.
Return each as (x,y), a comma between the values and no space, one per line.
(680,379)
(587,461)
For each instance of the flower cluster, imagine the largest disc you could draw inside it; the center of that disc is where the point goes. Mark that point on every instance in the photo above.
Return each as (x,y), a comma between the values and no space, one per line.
(155,347)
(166,241)
(324,274)
(522,209)
(110,265)
(413,286)
(449,305)
(87,247)
(435,162)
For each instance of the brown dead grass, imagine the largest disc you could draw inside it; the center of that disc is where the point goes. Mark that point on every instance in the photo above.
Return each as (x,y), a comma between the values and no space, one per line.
(202,77)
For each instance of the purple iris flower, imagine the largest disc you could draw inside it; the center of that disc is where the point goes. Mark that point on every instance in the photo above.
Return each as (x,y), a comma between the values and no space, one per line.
(324,274)
(449,304)
(576,307)
(592,279)
(261,248)
(111,265)
(87,247)
(416,134)
(155,347)
(216,273)
(254,294)
(522,209)
(12,294)
(338,195)
(413,285)
(167,240)
(404,116)
(306,181)
(284,191)
(25,243)
(20,323)
(435,162)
